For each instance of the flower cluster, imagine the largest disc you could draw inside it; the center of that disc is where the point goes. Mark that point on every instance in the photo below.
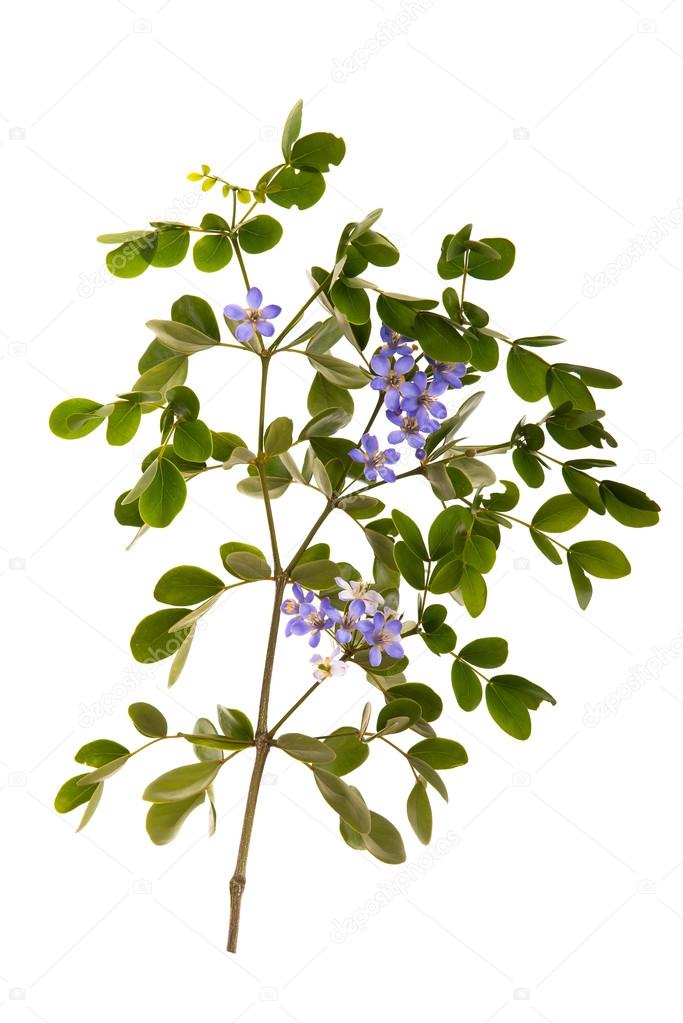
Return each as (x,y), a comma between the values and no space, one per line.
(411,395)
(359,621)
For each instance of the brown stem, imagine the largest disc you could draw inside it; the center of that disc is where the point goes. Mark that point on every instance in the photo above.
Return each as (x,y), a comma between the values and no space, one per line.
(239,877)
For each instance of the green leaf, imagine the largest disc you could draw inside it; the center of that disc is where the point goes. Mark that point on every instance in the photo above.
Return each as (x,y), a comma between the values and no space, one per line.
(95,777)
(187,584)
(181,783)
(559,514)
(148,720)
(419,813)
(123,423)
(181,338)
(466,685)
(629,506)
(165,496)
(440,338)
(351,837)
(226,549)
(162,375)
(204,727)
(318,150)
(585,488)
(183,402)
(292,129)
(100,752)
(279,436)
(482,264)
(344,799)
(384,841)
(212,252)
(508,711)
(196,312)
(442,532)
(259,234)
(479,553)
(402,713)
(433,617)
(133,257)
(71,794)
(181,656)
(352,302)
(430,776)
(527,374)
(316,575)
(324,395)
(93,803)
(532,694)
(528,467)
(409,565)
(294,187)
(590,376)
(71,418)
(152,640)
(127,514)
(447,575)
(490,652)
(601,559)
(246,565)
(565,387)
(431,704)
(338,372)
(164,820)
(172,246)
(583,587)
(305,748)
(376,249)
(441,640)
(441,754)
(473,590)
(410,532)
(349,751)
(325,423)
(546,547)
(235,724)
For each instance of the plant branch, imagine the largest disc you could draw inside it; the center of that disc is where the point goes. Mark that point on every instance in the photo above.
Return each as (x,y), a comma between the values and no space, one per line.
(295,706)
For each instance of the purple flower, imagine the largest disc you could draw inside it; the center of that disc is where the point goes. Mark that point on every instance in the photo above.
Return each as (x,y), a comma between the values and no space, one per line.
(390,379)
(381,633)
(376,462)
(409,429)
(299,606)
(448,372)
(394,343)
(307,620)
(253,317)
(420,399)
(347,620)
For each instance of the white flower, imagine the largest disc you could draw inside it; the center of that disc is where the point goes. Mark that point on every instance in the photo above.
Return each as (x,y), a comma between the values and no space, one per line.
(357,589)
(328,667)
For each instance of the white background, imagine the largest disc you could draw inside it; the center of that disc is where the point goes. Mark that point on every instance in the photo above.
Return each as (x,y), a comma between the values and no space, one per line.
(554,889)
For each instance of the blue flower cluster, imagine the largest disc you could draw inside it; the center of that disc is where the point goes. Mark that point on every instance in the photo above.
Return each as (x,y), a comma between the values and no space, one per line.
(411,400)
(380,630)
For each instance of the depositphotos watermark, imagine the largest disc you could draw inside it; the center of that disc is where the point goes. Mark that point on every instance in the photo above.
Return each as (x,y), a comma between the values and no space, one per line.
(388,29)
(642,245)
(388,890)
(639,675)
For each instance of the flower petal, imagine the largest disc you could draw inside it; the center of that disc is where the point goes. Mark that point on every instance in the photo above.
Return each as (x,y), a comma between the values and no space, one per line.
(269,312)
(266,328)
(245,331)
(234,312)
(254,298)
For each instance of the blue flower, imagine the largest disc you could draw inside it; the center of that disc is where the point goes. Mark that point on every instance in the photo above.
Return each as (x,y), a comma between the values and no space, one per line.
(347,620)
(394,343)
(253,317)
(381,633)
(376,462)
(409,429)
(390,379)
(420,399)
(448,372)
(306,618)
